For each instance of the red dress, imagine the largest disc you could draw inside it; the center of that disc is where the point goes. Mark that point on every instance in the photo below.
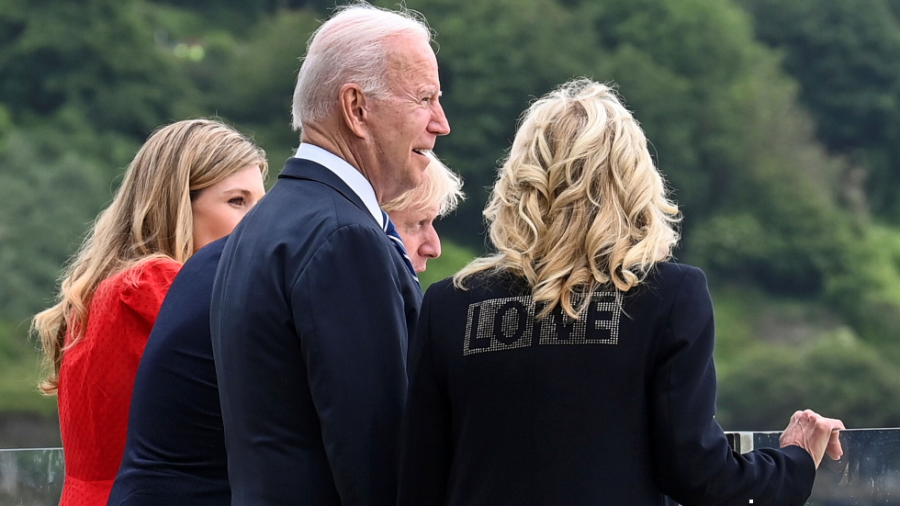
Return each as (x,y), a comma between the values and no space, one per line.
(97,378)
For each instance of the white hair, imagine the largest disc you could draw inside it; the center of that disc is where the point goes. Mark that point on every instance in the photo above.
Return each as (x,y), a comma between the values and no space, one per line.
(350,48)
(441,188)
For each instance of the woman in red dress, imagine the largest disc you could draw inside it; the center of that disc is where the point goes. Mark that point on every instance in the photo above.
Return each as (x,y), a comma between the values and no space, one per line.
(189,185)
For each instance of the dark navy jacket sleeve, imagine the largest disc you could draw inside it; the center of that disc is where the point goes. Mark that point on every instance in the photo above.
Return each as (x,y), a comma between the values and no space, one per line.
(692,460)
(354,345)
(310,317)
(426,448)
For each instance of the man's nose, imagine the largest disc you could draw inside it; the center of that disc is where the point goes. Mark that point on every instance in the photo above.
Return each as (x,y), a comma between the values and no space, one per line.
(431,246)
(439,124)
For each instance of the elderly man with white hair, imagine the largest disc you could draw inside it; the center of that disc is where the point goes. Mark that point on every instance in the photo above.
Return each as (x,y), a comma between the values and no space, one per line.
(183,460)
(315,296)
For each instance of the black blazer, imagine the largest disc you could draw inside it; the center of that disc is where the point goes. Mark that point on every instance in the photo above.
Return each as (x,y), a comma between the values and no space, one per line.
(311,312)
(175,453)
(615,408)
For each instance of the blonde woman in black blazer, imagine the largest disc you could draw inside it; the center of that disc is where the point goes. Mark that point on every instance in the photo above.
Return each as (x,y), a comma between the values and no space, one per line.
(575,365)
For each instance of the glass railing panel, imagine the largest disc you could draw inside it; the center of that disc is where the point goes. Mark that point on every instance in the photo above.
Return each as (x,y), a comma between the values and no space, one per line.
(868,473)
(31,477)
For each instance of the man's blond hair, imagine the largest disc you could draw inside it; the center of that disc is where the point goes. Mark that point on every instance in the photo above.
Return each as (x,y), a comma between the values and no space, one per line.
(441,188)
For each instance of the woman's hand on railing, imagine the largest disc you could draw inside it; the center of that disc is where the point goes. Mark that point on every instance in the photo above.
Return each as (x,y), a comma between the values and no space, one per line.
(814,433)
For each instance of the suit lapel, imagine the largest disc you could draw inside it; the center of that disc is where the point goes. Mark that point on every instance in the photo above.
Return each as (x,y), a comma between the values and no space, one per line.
(298,168)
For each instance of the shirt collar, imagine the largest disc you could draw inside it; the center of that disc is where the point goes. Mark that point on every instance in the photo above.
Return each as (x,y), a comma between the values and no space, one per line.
(348,174)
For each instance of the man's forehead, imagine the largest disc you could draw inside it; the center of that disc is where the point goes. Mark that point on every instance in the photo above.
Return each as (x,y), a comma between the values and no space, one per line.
(417,84)
(415,213)
(409,54)
(431,213)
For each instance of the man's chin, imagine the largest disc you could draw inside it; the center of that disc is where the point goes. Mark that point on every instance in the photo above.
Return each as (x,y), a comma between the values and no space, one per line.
(416,176)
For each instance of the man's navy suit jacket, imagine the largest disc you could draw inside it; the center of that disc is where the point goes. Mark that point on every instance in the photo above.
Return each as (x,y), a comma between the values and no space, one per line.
(175,453)
(311,313)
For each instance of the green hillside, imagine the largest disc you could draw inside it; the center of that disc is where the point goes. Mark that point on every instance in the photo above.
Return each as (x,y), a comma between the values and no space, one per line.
(776,126)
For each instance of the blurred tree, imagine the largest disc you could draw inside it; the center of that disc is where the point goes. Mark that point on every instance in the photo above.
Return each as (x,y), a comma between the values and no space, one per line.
(839,377)
(846,56)
(96,56)
(495,57)
(680,65)
(50,192)
(781,227)
(83,82)
(760,196)
(239,15)
(256,86)
(704,90)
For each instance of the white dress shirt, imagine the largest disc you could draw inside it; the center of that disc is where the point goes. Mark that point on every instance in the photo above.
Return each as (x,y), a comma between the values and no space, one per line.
(348,174)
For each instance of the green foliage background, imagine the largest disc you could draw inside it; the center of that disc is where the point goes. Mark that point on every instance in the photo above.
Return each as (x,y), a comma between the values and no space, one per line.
(777,126)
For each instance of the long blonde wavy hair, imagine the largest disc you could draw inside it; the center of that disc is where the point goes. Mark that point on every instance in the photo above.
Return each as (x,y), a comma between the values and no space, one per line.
(150,216)
(578,203)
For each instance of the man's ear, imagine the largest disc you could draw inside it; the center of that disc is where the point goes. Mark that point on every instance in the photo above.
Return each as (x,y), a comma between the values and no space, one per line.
(353,109)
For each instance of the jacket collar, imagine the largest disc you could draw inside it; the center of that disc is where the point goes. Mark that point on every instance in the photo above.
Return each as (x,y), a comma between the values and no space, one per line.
(299,168)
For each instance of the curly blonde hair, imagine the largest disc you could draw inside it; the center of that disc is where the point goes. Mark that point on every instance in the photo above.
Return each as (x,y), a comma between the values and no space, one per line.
(150,217)
(578,203)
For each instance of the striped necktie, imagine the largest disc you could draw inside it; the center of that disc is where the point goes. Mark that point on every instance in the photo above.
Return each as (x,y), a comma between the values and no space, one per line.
(391,231)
